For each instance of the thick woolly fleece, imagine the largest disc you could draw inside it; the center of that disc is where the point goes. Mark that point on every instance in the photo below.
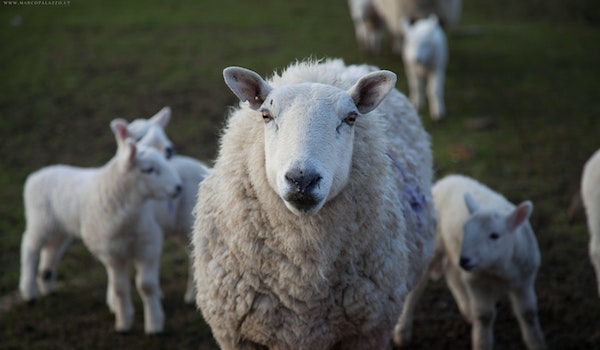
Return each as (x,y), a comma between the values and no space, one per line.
(265,276)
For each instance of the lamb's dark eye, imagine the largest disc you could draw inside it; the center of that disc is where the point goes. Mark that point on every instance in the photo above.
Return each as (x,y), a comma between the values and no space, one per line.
(266,116)
(148,170)
(350,119)
(494,236)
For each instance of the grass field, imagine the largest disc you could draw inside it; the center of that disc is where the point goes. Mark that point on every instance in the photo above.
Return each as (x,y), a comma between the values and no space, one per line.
(530,68)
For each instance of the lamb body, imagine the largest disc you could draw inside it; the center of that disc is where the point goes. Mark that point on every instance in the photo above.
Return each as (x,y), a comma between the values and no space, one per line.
(102,206)
(590,195)
(288,256)
(372,17)
(175,217)
(425,56)
(486,249)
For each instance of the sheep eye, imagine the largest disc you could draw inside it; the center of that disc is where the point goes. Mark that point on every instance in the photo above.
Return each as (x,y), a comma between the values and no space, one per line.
(266,116)
(350,119)
(148,170)
(494,236)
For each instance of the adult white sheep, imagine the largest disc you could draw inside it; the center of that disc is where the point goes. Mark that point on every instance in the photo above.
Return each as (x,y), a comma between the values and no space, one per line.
(317,219)
(590,195)
(103,206)
(175,217)
(372,17)
(425,56)
(487,250)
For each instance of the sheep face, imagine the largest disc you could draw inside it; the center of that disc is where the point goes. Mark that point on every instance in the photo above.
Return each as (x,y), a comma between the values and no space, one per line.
(154,177)
(308,132)
(489,236)
(420,40)
(151,133)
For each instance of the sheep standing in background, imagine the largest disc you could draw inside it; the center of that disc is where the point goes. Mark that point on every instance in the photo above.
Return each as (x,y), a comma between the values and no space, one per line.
(152,131)
(107,208)
(425,55)
(175,217)
(487,249)
(590,195)
(317,219)
(372,17)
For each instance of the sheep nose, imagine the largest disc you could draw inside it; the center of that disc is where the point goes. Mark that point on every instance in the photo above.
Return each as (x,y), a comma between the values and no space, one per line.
(302,182)
(169,151)
(465,263)
(178,189)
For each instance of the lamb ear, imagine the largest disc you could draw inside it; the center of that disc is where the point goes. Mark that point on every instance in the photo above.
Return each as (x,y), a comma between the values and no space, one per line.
(371,89)
(472,206)
(162,117)
(519,215)
(247,85)
(119,128)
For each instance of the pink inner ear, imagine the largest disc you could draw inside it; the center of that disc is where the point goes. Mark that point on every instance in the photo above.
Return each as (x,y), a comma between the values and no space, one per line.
(519,216)
(132,152)
(122,130)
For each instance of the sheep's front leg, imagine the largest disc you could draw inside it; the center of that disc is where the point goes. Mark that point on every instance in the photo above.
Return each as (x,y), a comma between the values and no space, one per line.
(459,291)
(148,285)
(190,290)
(484,315)
(524,304)
(119,295)
(415,85)
(435,94)
(403,330)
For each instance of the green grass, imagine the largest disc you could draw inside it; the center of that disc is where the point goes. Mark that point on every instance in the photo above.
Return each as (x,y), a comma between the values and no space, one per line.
(66,71)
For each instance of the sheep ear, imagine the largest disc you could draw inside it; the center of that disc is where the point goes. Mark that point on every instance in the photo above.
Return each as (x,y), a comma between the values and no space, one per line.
(519,215)
(247,85)
(162,117)
(472,206)
(371,89)
(119,128)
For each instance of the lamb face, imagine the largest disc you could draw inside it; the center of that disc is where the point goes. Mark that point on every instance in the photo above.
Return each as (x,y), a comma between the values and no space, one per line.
(485,241)
(309,132)
(420,41)
(490,236)
(156,177)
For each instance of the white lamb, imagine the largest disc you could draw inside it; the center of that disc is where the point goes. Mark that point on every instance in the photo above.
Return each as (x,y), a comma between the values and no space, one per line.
(108,208)
(175,217)
(487,249)
(152,131)
(318,218)
(372,17)
(425,55)
(590,195)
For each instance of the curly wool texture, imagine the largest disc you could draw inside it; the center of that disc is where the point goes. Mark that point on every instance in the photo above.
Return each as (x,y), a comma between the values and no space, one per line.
(336,278)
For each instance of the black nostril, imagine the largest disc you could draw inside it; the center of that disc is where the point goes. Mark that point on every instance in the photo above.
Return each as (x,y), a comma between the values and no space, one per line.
(177,190)
(303,181)
(464,262)
(169,152)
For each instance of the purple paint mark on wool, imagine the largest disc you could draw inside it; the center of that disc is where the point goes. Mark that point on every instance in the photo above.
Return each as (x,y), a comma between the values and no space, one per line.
(415,196)
(170,207)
